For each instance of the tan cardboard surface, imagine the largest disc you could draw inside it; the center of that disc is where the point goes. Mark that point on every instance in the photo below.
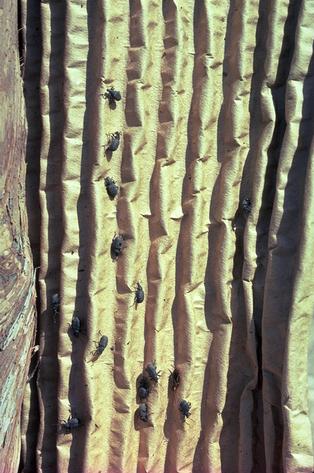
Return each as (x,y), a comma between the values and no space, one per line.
(217,106)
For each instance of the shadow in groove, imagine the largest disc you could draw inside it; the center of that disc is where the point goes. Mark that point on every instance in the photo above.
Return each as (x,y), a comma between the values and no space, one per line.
(285,265)
(214,304)
(239,390)
(78,384)
(48,374)
(181,319)
(278,90)
(32,72)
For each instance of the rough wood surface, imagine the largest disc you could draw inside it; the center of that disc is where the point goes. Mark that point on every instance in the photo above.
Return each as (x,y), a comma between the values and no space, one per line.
(17,291)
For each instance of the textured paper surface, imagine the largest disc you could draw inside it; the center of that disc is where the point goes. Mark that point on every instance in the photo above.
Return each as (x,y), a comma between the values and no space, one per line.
(217,106)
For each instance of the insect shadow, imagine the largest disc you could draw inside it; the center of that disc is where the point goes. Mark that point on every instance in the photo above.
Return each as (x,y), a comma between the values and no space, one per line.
(112,103)
(174,379)
(108,153)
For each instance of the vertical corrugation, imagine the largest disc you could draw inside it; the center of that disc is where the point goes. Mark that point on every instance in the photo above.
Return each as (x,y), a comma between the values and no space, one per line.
(101,373)
(77,246)
(116,43)
(161,253)
(177,82)
(231,152)
(240,434)
(310,349)
(210,28)
(298,445)
(188,262)
(282,241)
(237,433)
(50,195)
(155,234)
(295,242)
(216,107)
(133,210)
(251,230)
(32,75)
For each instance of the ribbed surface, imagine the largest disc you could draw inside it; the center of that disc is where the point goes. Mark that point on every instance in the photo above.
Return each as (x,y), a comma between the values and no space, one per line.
(217,106)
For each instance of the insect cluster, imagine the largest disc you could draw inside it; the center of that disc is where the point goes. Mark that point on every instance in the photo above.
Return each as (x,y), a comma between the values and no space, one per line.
(150,376)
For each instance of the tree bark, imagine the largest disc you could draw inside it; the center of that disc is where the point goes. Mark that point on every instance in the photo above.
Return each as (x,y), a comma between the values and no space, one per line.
(17,322)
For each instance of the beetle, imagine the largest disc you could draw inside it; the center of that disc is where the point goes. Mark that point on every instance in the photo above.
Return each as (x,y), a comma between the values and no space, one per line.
(143,412)
(139,294)
(111,187)
(247,205)
(101,345)
(112,95)
(174,379)
(114,141)
(142,393)
(55,304)
(184,408)
(76,326)
(143,388)
(116,246)
(151,369)
(70,424)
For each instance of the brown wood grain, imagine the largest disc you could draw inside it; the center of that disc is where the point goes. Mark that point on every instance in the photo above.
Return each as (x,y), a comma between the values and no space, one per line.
(17,293)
